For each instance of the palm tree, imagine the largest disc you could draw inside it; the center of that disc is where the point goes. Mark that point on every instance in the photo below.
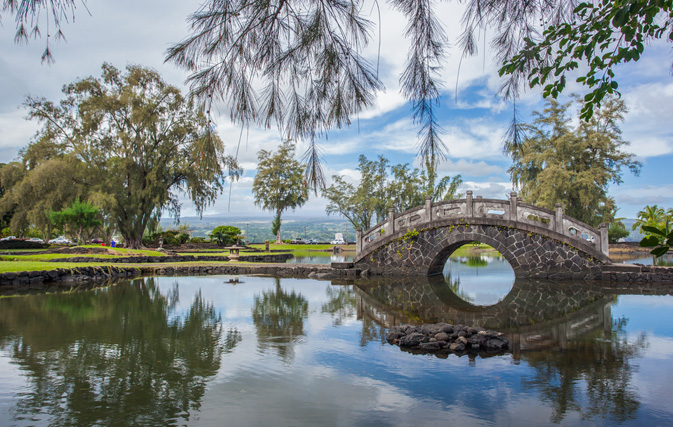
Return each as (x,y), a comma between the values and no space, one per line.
(652,216)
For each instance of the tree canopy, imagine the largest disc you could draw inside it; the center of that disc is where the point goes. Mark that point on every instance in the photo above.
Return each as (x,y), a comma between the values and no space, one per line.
(382,187)
(128,142)
(80,217)
(279,184)
(558,163)
(225,234)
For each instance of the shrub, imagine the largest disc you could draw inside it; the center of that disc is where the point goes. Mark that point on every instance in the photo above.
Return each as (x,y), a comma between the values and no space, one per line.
(197,240)
(225,234)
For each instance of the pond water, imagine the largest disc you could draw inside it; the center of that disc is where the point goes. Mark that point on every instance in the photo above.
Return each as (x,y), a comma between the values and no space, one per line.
(665,260)
(321,258)
(286,352)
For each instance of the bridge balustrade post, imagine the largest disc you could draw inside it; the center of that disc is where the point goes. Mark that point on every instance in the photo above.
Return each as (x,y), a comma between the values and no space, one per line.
(358,241)
(468,199)
(428,209)
(559,219)
(512,207)
(604,244)
(391,220)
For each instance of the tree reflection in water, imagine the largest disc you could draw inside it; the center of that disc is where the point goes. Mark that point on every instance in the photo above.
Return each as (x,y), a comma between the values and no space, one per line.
(341,304)
(454,285)
(279,319)
(602,364)
(475,261)
(119,356)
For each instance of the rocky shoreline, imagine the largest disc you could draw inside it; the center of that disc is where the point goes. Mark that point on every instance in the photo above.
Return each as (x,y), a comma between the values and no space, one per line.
(446,337)
(48,280)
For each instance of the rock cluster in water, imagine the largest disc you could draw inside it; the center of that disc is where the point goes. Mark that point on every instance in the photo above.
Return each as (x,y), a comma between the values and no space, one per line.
(444,336)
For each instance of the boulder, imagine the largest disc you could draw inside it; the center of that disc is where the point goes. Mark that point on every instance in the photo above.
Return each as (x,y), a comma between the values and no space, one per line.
(412,340)
(430,346)
(498,343)
(457,347)
(391,336)
(447,329)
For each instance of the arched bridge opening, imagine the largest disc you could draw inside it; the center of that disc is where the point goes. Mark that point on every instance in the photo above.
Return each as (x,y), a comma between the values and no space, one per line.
(476,272)
(537,242)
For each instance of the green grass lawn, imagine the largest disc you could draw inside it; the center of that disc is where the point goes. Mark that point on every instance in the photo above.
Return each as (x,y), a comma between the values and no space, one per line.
(120,252)
(15,266)
(469,250)
(124,251)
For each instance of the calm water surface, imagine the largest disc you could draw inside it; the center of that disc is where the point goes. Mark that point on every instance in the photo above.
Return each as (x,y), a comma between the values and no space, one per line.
(321,258)
(286,352)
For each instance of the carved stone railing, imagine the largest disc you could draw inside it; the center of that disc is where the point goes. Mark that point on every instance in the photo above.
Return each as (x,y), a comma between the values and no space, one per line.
(510,210)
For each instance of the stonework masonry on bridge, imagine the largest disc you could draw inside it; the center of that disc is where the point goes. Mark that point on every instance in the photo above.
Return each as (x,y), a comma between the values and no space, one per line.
(537,242)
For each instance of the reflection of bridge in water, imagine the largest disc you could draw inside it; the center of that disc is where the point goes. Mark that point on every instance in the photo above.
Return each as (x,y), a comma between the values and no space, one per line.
(534,315)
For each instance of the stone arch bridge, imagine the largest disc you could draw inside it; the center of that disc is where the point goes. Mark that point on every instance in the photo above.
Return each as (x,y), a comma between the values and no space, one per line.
(537,242)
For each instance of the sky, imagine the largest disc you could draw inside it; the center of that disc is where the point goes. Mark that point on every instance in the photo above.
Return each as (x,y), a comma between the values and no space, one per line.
(474,117)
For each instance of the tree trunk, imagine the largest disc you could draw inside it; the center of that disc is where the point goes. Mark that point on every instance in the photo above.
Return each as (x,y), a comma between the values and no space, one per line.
(278,242)
(133,242)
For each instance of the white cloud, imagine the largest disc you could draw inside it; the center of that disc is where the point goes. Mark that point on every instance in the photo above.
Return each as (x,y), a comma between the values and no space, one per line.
(647,124)
(385,102)
(465,139)
(488,190)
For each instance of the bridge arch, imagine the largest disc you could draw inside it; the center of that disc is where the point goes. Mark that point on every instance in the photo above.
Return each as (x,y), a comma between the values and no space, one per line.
(536,242)
(441,253)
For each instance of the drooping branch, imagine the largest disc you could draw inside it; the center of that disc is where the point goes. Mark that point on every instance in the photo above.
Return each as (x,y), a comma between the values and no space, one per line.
(420,78)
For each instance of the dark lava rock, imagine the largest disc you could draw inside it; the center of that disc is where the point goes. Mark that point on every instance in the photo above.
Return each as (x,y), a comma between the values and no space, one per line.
(408,329)
(430,346)
(392,335)
(478,340)
(498,343)
(434,337)
(457,346)
(447,329)
(412,340)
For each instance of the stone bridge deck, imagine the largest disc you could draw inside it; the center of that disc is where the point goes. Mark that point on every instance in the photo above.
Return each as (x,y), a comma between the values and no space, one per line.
(537,242)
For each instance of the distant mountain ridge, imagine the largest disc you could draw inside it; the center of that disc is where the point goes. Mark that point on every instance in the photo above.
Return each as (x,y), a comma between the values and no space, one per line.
(321,228)
(258,227)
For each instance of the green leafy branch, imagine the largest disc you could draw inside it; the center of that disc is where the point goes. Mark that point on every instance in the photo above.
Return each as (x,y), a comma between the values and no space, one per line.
(603,35)
(661,239)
